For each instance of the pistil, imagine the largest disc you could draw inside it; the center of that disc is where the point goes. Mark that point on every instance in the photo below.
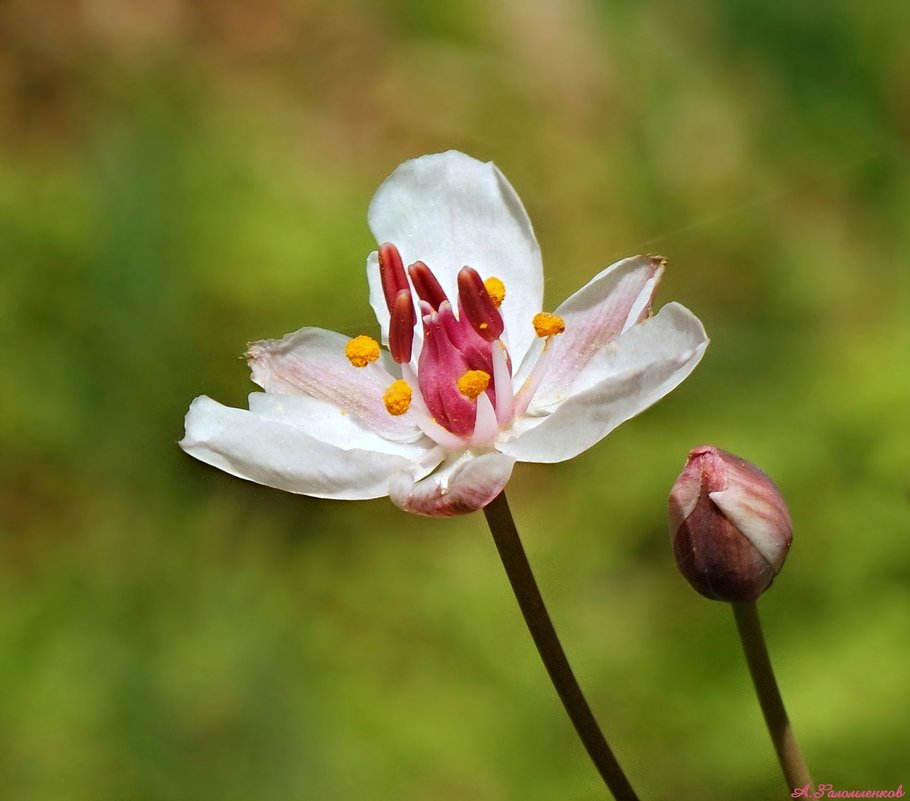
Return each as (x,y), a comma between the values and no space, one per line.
(440,366)
(401,327)
(478,306)
(426,286)
(391,273)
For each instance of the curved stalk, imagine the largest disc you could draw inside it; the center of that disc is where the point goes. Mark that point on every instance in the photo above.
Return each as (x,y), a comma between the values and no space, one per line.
(515,561)
(772,705)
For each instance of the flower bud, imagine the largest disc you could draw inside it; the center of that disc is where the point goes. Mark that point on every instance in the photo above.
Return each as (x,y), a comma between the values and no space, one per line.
(729,525)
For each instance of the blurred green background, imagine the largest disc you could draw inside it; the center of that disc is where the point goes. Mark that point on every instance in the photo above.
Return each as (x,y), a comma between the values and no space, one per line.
(178,178)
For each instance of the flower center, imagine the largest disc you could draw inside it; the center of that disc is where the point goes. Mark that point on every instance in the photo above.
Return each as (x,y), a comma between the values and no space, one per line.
(463,371)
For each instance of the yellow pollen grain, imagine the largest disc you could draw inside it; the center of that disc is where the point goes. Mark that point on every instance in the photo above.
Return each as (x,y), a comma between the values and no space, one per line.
(548,325)
(473,382)
(397,398)
(362,350)
(496,289)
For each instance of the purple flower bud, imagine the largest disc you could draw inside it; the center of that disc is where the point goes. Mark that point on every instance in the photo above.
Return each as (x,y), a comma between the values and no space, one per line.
(729,525)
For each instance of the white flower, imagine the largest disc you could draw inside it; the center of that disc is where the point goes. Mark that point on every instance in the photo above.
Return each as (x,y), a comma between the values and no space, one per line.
(481,380)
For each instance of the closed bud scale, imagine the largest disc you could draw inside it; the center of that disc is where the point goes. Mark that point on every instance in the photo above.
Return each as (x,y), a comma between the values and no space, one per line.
(729,525)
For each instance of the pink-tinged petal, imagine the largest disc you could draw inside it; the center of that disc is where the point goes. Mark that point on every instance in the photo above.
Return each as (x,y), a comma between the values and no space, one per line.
(284,457)
(635,371)
(684,498)
(760,518)
(312,362)
(463,484)
(449,210)
(609,304)
(329,424)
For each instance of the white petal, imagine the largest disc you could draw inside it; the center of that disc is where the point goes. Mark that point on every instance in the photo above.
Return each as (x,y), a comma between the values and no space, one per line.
(282,456)
(635,371)
(328,423)
(377,299)
(312,362)
(450,210)
(608,305)
(463,484)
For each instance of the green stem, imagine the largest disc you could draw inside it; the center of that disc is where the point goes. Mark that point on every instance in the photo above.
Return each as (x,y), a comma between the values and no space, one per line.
(772,705)
(508,543)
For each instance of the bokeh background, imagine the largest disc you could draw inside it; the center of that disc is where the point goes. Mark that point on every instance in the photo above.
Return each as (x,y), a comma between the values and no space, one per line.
(178,178)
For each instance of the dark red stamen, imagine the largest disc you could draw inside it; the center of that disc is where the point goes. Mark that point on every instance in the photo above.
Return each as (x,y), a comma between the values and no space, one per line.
(401,327)
(477,305)
(426,285)
(391,273)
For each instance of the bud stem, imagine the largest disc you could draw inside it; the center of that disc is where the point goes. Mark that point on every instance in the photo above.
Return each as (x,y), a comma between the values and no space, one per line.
(772,705)
(515,561)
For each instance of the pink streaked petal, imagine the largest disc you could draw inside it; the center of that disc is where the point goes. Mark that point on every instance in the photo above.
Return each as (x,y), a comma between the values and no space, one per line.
(326,422)
(463,484)
(312,362)
(600,311)
(635,371)
(449,210)
(285,457)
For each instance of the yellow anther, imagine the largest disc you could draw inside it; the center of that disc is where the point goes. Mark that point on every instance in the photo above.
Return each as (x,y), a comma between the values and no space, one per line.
(362,350)
(397,398)
(548,325)
(496,289)
(473,382)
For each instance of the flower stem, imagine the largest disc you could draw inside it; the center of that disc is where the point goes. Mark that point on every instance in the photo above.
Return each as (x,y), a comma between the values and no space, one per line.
(515,561)
(772,705)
